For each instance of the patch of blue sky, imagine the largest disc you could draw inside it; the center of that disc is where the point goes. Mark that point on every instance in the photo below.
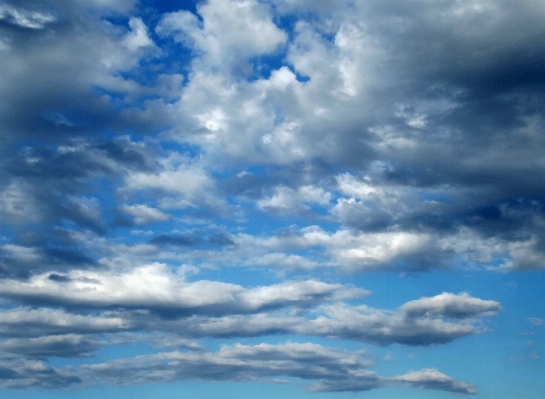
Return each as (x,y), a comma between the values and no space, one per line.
(183,148)
(264,65)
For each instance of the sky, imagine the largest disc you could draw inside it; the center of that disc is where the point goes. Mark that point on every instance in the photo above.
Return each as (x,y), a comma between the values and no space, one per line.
(272,198)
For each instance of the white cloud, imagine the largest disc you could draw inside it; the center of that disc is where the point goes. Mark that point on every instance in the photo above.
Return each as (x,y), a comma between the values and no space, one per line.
(433,379)
(286,199)
(25,18)
(348,185)
(536,321)
(138,37)
(347,248)
(154,286)
(450,305)
(188,186)
(143,214)
(230,31)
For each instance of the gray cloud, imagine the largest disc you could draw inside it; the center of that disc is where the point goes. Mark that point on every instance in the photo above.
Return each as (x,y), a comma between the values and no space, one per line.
(333,370)
(450,305)
(340,321)
(22,374)
(169,293)
(69,345)
(38,323)
(371,136)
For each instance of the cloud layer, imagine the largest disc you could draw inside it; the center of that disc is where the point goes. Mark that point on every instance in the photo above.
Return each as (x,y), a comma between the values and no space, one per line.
(236,169)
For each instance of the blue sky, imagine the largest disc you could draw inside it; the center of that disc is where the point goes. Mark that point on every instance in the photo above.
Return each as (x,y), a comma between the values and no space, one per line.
(241,198)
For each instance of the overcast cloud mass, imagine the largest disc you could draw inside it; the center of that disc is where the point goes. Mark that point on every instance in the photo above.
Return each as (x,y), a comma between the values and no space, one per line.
(300,198)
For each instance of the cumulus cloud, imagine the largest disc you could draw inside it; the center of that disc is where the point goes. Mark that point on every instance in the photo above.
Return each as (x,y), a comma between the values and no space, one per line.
(229,31)
(285,199)
(288,140)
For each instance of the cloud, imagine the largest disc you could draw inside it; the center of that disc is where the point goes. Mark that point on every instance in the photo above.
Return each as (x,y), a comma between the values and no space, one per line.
(341,321)
(449,305)
(334,370)
(69,345)
(25,18)
(261,140)
(144,214)
(22,373)
(35,323)
(231,31)
(353,250)
(155,287)
(286,200)
(433,379)
(138,37)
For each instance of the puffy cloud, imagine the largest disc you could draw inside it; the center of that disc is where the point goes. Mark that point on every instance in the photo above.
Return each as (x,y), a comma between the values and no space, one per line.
(388,136)
(450,305)
(354,250)
(138,37)
(285,199)
(229,31)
